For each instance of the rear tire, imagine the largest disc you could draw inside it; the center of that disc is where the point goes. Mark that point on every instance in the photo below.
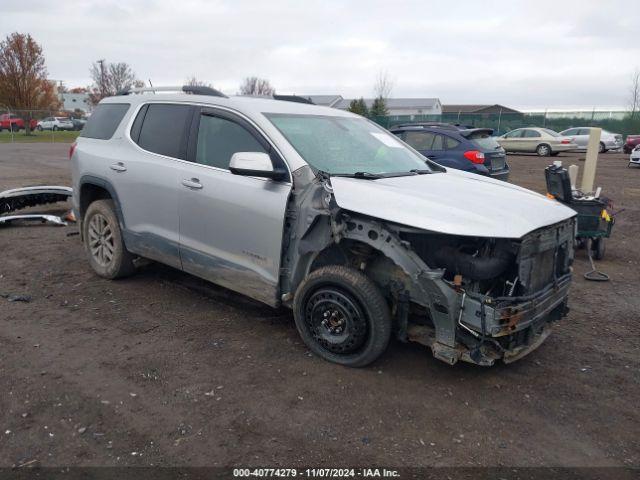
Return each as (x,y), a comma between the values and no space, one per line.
(601,148)
(103,242)
(342,316)
(543,150)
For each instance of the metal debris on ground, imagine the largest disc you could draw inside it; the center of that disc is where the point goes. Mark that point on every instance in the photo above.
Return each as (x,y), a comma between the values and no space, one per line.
(19,198)
(52,219)
(12,297)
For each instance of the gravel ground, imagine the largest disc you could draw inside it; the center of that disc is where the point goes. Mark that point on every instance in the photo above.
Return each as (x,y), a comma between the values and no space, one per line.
(165,369)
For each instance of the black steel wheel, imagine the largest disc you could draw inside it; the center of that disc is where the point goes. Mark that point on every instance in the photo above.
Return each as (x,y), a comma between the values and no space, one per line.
(342,316)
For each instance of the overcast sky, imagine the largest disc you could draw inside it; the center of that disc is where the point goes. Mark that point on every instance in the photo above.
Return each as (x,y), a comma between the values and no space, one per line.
(532,53)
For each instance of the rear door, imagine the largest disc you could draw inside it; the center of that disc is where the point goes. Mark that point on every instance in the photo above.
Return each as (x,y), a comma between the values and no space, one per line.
(145,177)
(529,141)
(231,226)
(582,138)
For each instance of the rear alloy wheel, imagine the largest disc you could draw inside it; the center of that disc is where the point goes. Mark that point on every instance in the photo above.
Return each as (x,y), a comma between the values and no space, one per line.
(342,316)
(103,242)
(543,150)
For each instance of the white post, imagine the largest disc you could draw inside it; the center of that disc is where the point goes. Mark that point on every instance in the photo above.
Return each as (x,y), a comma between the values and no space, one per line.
(573,175)
(591,161)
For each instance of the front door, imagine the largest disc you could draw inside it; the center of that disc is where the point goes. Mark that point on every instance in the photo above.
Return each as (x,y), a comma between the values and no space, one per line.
(231,226)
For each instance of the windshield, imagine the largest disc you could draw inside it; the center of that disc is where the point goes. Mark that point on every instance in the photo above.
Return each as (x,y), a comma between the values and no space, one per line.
(347,146)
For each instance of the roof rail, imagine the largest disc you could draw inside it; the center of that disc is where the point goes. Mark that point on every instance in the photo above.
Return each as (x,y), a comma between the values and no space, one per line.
(191,89)
(293,98)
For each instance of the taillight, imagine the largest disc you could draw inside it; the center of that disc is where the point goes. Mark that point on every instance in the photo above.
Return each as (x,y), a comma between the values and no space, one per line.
(72,149)
(474,156)
(565,141)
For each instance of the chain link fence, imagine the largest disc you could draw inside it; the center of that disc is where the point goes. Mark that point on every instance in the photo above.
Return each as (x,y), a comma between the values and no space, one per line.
(27,126)
(504,122)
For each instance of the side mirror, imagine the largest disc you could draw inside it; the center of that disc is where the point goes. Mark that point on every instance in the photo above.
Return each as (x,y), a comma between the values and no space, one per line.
(254,164)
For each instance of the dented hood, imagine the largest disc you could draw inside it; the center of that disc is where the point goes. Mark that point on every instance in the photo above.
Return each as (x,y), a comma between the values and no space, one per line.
(454,202)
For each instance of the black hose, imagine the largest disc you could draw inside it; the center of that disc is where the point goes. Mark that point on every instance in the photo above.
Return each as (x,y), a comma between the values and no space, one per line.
(474,268)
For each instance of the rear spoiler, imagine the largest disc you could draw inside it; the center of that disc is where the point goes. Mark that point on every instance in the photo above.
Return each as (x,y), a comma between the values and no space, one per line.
(468,132)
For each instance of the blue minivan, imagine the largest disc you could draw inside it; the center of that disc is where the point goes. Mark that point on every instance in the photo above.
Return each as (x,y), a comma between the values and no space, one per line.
(470,149)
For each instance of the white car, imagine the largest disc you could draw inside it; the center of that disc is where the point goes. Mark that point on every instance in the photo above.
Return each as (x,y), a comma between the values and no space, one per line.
(634,158)
(580,136)
(55,123)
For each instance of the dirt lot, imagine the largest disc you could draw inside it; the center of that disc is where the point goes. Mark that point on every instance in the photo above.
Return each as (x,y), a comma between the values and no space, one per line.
(164,369)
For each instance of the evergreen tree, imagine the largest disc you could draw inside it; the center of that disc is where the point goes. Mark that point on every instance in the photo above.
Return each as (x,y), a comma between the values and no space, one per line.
(379,108)
(359,107)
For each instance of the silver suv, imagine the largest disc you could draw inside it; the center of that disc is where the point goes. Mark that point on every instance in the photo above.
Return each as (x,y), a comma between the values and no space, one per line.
(322,211)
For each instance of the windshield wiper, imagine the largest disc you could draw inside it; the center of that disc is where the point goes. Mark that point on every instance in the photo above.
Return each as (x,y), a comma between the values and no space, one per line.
(420,171)
(365,175)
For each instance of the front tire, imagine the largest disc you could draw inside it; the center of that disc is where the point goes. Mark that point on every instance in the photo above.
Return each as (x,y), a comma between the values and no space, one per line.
(55,128)
(342,316)
(103,242)
(543,150)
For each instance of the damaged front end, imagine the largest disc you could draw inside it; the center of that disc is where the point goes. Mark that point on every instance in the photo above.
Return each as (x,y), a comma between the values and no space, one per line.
(475,299)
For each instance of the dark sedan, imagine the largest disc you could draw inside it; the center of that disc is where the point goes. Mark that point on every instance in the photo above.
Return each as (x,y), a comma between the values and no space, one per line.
(470,149)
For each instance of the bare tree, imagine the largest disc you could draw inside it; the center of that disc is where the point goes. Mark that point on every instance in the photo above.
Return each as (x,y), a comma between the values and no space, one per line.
(256,86)
(634,94)
(192,81)
(383,86)
(111,78)
(23,77)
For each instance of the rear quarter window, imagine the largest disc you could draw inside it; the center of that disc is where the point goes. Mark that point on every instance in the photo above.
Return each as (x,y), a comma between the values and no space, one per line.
(104,120)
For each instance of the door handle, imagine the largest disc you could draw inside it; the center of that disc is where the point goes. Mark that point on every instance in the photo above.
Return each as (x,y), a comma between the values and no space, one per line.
(193,183)
(118,167)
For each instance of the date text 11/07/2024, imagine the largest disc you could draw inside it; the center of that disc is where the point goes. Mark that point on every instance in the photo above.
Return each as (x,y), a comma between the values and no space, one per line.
(316,472)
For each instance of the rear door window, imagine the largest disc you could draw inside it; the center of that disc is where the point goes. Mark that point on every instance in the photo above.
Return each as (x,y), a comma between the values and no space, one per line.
(531,134)
(438,143)
(450,143)
(219,139)
(163,129)
(419,140)
(103,121)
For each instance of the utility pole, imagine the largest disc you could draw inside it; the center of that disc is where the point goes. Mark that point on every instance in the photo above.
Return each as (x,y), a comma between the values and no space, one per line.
(102,92)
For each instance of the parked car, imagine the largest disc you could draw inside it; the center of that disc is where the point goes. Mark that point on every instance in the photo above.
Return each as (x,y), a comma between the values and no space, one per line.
(470,149)
(327,213)
(11,121)
(55,123)
(78,123)
(580,136)
(631,142)
(634,158)
(542,141)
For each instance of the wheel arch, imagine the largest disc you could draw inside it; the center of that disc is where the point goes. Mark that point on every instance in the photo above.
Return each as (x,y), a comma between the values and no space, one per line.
(92,188)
